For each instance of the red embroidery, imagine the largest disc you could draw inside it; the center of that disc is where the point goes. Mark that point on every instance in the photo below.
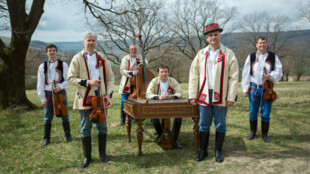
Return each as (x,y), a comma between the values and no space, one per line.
(203,97)
(216,95)
(219,60)
(89,99)
(126,89)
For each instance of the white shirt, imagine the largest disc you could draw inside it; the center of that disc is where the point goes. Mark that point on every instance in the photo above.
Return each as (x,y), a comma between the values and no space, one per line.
(51,75)
(258,71)
(163,87)
(212,56)
(133,60)
(91,64)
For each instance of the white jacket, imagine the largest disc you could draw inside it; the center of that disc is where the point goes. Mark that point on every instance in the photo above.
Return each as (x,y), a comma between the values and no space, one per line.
(226,78)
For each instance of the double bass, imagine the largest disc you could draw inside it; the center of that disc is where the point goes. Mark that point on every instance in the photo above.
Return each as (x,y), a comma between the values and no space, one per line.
(60,109)
(269,94)
(98,113)
(140,82)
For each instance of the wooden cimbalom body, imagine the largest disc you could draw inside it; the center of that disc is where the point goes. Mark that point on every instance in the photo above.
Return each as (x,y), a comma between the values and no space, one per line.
(166,109)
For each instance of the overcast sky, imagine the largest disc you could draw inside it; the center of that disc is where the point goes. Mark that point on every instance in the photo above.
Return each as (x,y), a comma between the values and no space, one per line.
(62,22)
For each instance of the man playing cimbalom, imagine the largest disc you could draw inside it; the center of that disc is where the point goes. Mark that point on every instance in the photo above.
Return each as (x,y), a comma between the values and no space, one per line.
(128,70)
(164,87)
(253,77)
(213,85)
(50,71)
(91,72)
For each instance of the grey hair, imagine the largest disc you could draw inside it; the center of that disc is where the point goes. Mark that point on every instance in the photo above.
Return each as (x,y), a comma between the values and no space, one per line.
(89,34)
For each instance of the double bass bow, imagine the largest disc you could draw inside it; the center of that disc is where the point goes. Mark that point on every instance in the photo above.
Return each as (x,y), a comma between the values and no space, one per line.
(140,82)
(98,114)
(269,94)
(60,109)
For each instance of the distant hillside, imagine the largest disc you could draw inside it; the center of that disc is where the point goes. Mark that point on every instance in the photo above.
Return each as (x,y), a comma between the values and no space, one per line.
(229,40)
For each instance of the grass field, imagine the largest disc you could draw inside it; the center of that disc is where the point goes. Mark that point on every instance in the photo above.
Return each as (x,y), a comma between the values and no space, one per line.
(21,136)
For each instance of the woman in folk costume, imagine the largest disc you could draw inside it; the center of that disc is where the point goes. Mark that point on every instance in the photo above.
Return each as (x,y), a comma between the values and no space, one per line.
(213,85)
(92,74)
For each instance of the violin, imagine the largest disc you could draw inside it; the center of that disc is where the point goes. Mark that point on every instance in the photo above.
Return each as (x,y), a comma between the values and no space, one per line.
(60,109)
(269,94)
(140,82)
(98,113)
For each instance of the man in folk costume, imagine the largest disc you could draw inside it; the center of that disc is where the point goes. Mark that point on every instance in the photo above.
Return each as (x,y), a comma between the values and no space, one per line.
(164,87)
(213,85)
(48,72)
(253,77)
(128,70)
(92,74)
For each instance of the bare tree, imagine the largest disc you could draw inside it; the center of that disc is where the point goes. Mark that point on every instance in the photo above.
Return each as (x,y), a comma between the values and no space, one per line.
(300,59)
(304,9)
(121,23)
(12,73)
(189,20)
(4,16)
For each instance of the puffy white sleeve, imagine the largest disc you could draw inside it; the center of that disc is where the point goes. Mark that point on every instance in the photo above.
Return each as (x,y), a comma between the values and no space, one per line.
(41,83)
(65,84)
(276,74)
(246,76)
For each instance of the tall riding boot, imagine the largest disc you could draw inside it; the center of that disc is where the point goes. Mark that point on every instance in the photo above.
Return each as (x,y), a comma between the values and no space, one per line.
(66,127)
(253,127)
(86,141)
(159,130)
(176,130)
(219,140)
(102,144)
(265,128)
(47,134)
(123,116)
(203,140)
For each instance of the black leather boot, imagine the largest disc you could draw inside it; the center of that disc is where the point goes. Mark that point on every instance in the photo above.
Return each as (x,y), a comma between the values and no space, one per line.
(123,117)
(66,127)
(102,144)
(86,141)
(47,134)
(176,130)
(265,129)
(203,141)
(253,127)
(219,140)
(159,130)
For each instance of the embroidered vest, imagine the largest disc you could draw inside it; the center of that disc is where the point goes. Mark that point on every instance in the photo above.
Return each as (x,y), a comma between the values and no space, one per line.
(59,70)
(271,59)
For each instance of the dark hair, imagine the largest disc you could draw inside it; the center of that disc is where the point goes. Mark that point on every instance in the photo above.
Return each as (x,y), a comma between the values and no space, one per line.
(161,66)
(261,38)
(50,46)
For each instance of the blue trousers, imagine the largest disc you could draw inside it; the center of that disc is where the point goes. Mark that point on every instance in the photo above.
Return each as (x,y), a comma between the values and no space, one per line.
(208,112)
(49,110)
(256,94)
(86,124)
(124,97)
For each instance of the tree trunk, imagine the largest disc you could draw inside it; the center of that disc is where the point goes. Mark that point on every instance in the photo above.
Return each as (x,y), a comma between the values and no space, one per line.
(12,77)
(12,73)
(286,74)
